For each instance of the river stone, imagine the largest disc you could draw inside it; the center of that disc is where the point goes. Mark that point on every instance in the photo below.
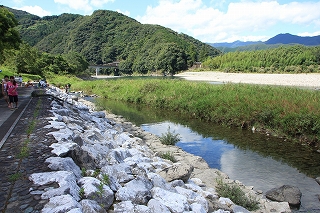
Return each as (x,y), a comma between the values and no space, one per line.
(99,114)
(62,112)
(318,180)
(65,179)
(91,206)
(63,203)
(226,201)
(178,171)
(82,157)
(193,197)
(282,207)
(221,211)
(239,209)
(62,149)
(159,181)
(173,201)
(155,206)
(121,172)
(285,193)
(94,189)
(64,164)
(196,207)
(137,190)
(129,207)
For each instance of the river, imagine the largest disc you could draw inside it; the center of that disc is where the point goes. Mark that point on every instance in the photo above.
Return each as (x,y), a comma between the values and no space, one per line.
(255,159)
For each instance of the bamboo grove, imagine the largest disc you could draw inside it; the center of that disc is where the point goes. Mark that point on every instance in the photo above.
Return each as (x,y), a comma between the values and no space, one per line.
(283,59)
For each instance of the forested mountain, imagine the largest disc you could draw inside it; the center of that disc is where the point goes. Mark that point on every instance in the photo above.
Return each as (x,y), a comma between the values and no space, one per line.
(294,39)
(251,47)
(107,36)
(276,41)
(234,44)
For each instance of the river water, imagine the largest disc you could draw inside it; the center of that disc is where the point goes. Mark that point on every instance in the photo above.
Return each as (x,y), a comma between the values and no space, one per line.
(254,159)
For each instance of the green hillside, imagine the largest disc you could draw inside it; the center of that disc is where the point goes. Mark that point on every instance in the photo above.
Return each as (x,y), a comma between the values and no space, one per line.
(287,58)
(107,36)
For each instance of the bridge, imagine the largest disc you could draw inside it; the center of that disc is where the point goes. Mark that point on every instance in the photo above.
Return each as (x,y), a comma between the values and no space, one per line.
(101,66)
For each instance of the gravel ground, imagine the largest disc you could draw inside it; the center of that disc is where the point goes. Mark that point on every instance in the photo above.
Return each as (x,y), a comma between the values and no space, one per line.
(302,80)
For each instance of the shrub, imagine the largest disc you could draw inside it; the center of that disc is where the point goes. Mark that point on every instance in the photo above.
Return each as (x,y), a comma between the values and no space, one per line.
(81,193)
(169,138)
(169,156)
(105,179)
(96,173)
(234,193)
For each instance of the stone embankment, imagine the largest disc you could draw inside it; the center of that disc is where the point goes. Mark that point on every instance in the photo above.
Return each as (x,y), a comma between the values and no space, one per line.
(102,163)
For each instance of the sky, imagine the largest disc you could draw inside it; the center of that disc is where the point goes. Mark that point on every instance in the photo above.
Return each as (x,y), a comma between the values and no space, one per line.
(209,21)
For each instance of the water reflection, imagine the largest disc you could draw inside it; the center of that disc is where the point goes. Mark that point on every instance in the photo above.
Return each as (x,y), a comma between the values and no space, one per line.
(266,173)
(210,150)
(254,159)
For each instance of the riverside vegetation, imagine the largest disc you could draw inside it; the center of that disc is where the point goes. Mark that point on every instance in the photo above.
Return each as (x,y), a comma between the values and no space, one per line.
(277,110)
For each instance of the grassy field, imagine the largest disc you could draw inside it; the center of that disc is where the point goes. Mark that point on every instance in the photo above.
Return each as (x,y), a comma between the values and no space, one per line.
(281,111)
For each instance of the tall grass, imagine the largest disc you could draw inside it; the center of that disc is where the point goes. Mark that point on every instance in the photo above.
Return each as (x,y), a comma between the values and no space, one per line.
(286,111)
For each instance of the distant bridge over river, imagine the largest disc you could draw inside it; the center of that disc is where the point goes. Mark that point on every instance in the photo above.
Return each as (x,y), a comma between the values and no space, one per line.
(101,66)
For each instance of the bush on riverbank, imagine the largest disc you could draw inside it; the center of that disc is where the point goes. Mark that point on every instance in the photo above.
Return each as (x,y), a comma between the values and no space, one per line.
(234,193)
(170,138)
(286,111)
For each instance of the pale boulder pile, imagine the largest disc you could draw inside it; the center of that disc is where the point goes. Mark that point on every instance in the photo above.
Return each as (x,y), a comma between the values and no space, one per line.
(101,166)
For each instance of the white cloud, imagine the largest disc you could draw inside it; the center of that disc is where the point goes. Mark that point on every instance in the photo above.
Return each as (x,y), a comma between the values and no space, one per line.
(82,5)
(99,3)
(36,10)
(87,6)
(309,34)
(127,13)
(241,19)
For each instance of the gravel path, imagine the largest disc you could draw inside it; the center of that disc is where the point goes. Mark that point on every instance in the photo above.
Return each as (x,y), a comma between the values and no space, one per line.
(302,80)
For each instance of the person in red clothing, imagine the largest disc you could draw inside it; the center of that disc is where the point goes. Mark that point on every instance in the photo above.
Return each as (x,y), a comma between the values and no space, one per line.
(12,92)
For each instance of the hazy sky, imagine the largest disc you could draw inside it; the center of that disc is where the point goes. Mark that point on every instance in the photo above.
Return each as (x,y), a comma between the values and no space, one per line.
(207,20)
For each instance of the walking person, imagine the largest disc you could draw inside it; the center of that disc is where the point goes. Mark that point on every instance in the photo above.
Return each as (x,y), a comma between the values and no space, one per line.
(12,87)
(20,80)
(4,89)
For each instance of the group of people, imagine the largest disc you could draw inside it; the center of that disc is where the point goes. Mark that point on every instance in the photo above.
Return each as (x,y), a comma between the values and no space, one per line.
(10,93)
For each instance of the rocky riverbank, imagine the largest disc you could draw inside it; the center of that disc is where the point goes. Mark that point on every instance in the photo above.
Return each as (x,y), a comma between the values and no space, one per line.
(103,163)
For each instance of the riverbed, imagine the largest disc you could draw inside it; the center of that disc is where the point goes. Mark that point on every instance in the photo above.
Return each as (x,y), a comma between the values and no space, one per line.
(257,160)
(309,80)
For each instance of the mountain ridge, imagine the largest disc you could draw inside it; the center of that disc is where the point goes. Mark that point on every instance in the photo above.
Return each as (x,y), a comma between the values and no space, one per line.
(282,38)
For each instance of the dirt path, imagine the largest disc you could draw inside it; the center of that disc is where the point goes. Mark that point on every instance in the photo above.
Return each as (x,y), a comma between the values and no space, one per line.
(303,80)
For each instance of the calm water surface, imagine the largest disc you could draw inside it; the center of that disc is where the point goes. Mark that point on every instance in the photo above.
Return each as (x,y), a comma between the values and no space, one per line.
(254,159)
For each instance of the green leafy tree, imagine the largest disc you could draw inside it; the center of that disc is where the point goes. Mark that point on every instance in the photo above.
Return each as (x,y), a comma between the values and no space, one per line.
(76,62)
(26,59)
(171,59)
(9,36)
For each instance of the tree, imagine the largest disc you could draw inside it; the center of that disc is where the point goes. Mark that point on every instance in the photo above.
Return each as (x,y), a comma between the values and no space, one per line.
(26,59)
(171,59)
(76,61)
(9,36)
(204,53)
